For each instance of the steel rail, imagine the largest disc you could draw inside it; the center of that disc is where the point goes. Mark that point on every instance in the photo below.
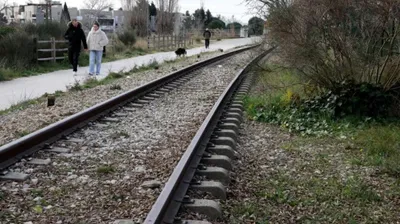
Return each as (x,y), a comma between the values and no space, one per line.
(27,145)
(173,194)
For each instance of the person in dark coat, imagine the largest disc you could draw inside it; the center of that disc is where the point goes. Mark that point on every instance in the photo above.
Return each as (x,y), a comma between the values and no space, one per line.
(207,36)
(75,37)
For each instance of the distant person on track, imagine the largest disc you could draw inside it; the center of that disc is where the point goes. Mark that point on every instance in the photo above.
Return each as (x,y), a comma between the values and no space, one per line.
(75,36)
(207,36)
(96,40)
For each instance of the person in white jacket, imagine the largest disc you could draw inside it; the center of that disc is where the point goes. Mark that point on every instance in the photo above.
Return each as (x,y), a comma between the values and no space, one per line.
(96,40)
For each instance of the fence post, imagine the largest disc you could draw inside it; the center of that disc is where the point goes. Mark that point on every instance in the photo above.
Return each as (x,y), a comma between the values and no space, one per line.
(148,42)
(163,42)
(53,47)
(159,43)
(35,49)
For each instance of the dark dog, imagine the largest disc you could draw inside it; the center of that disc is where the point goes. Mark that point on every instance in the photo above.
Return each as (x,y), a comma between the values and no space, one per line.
(180,51)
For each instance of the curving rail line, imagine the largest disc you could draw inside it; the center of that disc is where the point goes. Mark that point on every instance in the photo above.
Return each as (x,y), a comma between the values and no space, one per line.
(215,138)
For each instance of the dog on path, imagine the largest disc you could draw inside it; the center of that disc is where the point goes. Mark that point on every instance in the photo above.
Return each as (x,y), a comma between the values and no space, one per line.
(180,51)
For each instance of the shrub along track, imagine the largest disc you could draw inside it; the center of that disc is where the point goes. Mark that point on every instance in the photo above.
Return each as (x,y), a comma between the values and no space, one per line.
(99,176)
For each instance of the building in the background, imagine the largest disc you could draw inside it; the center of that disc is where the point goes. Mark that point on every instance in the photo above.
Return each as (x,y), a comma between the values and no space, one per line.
(244,31)
(110,20)
(33,13)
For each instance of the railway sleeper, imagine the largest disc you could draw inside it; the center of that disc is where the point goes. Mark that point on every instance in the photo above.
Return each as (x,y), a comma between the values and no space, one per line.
(215,173)
(226,133)
(215,188)
(236,115)
(223,150)
(218,160)
(14,176)
(210,208)
(224,141)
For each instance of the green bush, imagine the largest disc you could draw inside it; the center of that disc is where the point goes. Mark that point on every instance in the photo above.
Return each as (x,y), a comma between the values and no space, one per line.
(17,50)
(51,29)
(351,99)
(127,36)
(45,30)
(4,30)
(30,29)
(350,105)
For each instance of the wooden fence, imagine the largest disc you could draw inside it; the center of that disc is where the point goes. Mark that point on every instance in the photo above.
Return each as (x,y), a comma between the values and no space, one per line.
(52,50)
(168,42)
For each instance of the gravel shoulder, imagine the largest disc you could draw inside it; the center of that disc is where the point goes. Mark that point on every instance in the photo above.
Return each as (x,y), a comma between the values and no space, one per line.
(119,169)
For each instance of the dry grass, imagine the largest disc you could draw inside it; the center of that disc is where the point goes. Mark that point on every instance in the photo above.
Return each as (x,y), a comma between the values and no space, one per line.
(141,43)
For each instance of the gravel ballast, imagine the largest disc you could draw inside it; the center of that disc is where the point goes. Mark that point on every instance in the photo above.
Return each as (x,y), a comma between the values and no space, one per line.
(16,124)
(120,168)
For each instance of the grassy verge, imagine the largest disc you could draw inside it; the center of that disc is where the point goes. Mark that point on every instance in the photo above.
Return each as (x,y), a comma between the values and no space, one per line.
(332,170)
(316,187)
(276,100)
(7,74)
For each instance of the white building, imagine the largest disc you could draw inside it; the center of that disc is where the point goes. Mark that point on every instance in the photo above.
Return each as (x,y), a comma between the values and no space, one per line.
(244,31)
(33,13)
(109,20)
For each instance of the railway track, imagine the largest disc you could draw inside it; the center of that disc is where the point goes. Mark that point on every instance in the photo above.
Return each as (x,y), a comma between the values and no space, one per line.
(78,150)
(43,138)
(206,163)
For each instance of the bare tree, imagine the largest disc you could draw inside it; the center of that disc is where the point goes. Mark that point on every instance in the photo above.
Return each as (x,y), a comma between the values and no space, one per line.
(3,7)
(94,7)
(97,5)
(334,41)
(166,15)
(139,15)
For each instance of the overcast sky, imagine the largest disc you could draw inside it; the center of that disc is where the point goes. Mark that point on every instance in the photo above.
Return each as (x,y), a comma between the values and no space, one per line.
(226,8)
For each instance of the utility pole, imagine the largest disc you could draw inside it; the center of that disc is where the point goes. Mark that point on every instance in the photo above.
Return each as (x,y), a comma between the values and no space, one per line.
(47,11)
(50,5)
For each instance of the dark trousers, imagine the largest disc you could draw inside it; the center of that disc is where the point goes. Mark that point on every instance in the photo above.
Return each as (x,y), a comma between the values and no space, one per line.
(73,57)
(207,42)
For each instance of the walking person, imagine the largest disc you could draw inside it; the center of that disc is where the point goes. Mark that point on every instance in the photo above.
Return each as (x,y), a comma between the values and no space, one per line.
(97,40)
(207,36)
(75,36)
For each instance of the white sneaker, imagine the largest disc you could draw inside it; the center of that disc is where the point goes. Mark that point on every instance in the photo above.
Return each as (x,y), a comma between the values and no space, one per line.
(75,73)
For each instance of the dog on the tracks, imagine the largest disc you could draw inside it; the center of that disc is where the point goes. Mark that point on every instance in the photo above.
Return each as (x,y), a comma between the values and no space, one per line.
(180,51)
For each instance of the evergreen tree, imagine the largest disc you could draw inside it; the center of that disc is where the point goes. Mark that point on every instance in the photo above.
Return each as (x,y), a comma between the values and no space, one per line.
(199,17)
(209,18)
(256,26)
(65,17)
(216,24)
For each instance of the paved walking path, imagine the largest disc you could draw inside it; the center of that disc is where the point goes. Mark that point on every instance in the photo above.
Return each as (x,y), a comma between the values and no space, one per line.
(22,89)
